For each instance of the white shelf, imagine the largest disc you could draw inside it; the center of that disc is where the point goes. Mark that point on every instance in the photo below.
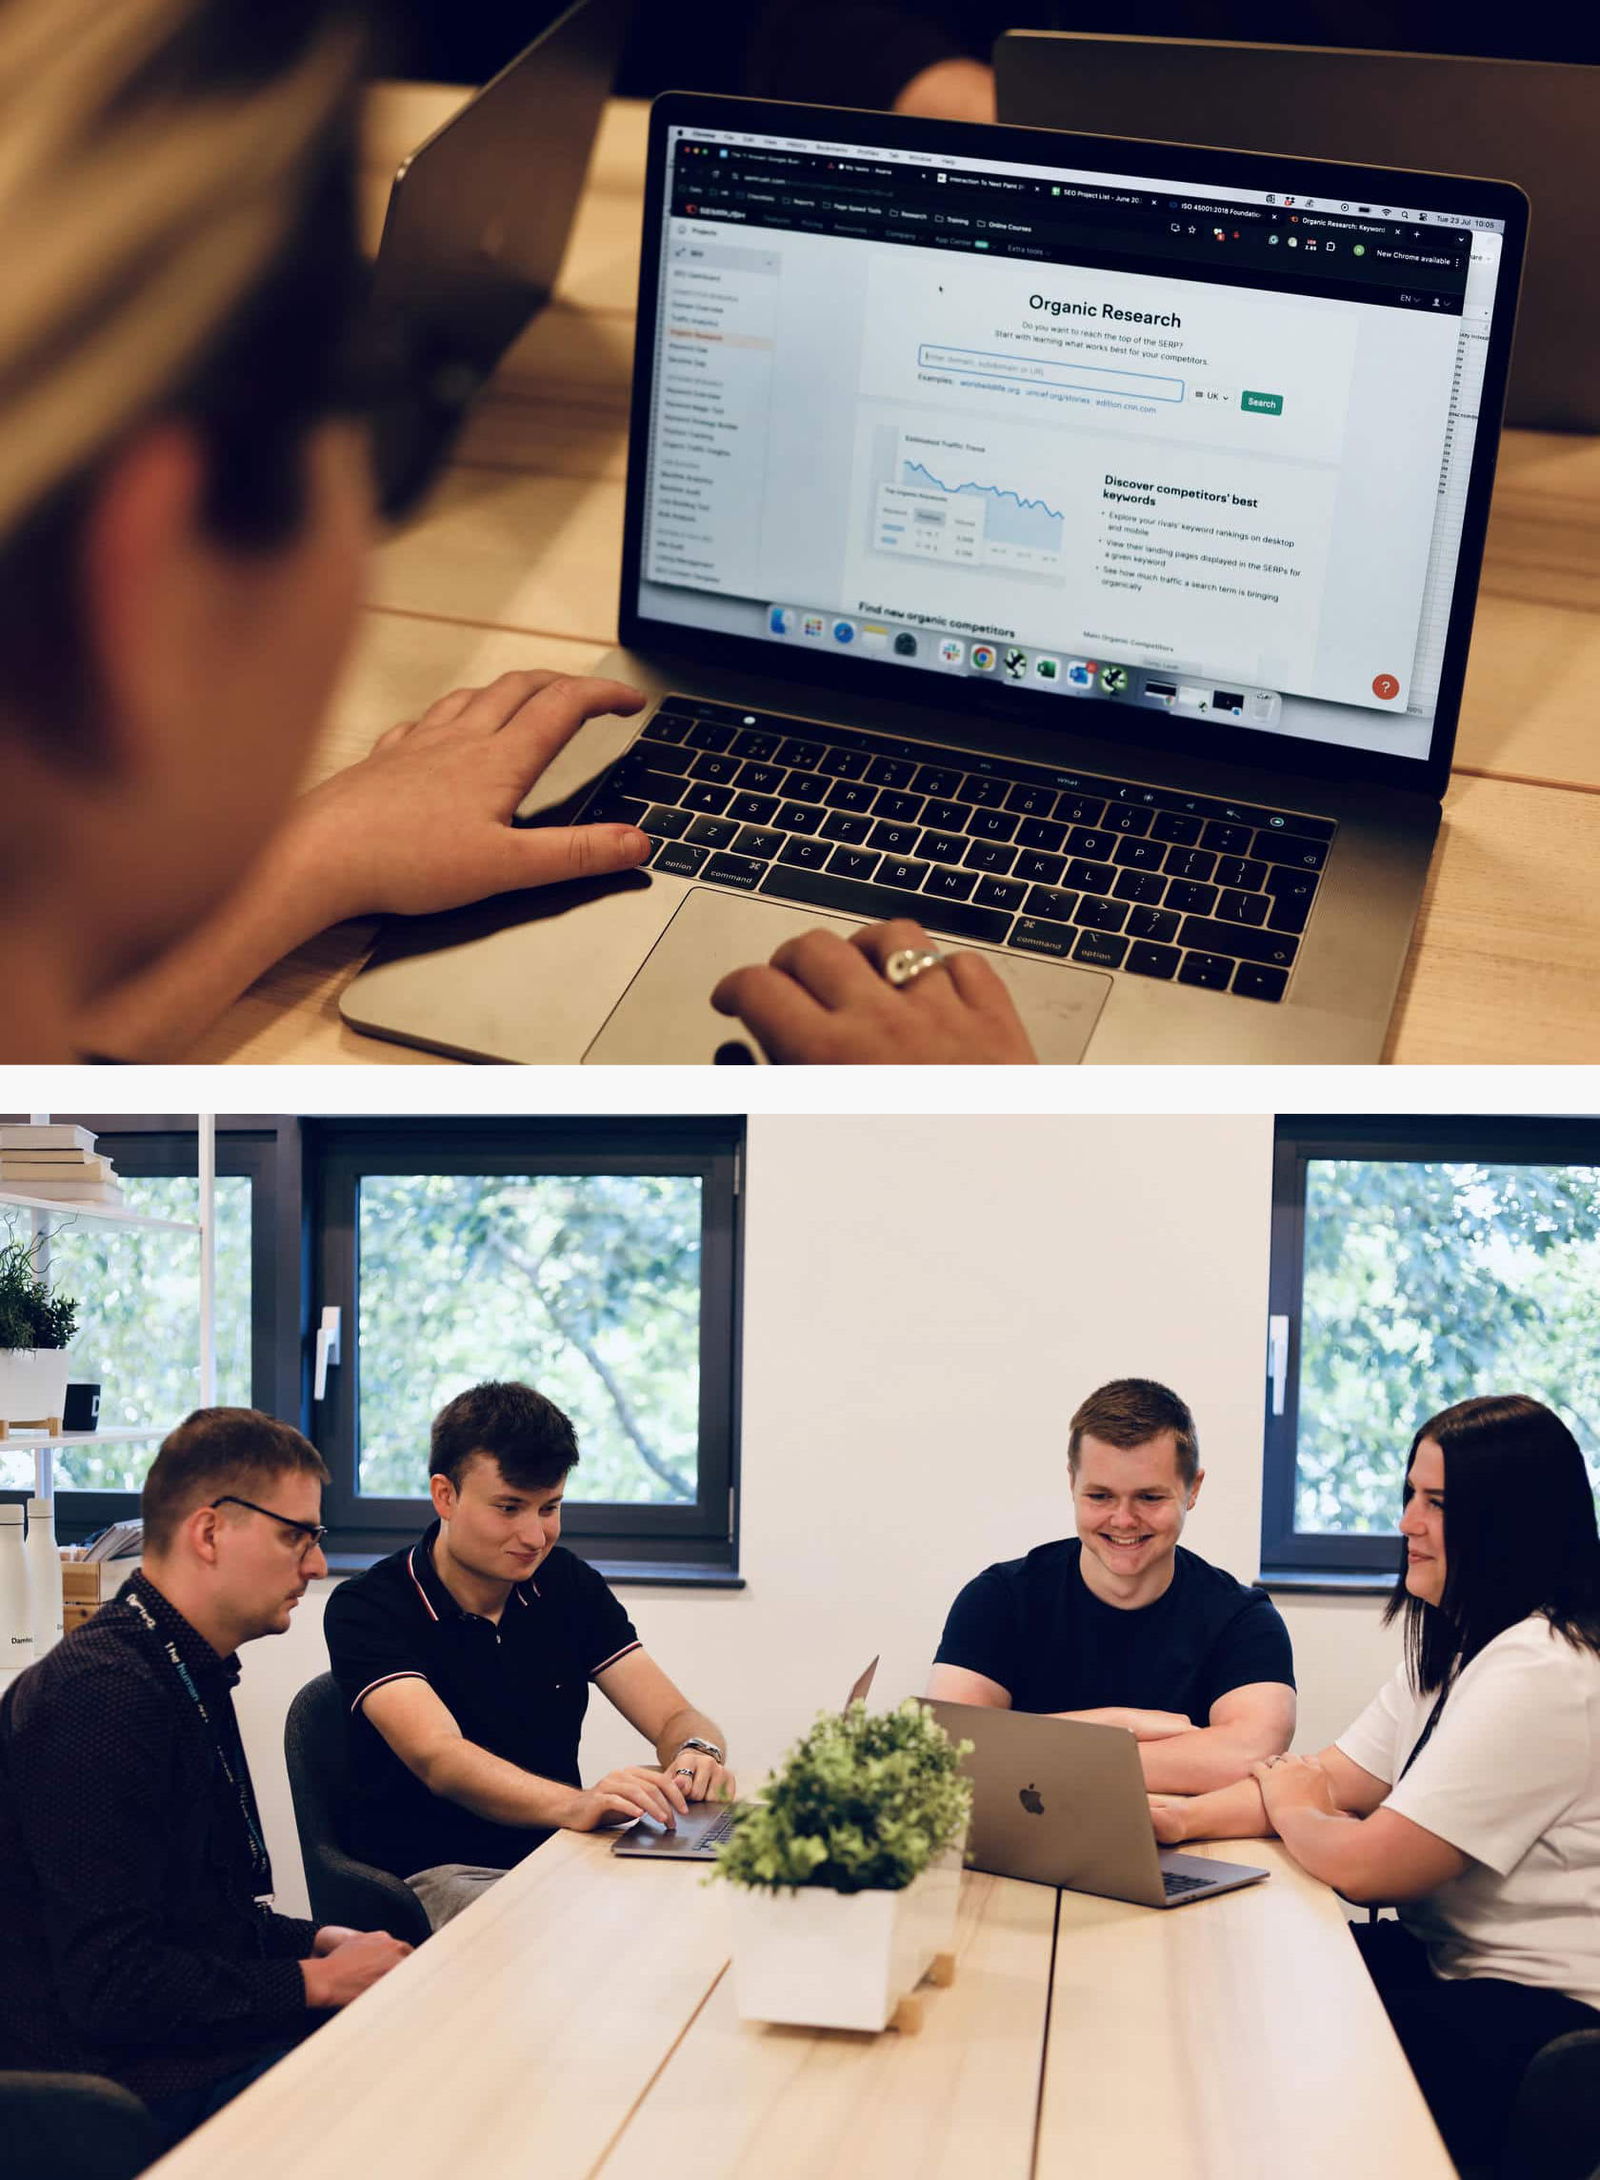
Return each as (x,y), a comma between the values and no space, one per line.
(120,1435)
(58,1208)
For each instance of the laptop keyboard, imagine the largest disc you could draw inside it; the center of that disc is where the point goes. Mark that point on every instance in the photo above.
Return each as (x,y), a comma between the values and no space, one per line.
(721,1830)
(1173,1885)
(1114,874)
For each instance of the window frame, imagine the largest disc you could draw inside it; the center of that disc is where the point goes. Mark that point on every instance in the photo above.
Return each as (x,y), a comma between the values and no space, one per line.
(675,1542)
(1422,1139)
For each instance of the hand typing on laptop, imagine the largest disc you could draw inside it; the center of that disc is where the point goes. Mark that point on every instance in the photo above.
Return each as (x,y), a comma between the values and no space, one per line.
(889,995)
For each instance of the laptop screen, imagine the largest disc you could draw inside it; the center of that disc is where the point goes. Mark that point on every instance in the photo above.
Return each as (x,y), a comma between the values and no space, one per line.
(1198,450)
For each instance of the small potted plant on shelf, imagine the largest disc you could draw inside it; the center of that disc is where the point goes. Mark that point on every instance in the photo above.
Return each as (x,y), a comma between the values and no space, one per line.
(845,1875)
(36,1328)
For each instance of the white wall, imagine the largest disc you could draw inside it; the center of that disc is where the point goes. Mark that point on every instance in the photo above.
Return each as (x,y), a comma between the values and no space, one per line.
(926,1300)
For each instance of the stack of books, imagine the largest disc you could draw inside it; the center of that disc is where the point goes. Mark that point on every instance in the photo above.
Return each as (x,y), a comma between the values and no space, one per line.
(57,1163)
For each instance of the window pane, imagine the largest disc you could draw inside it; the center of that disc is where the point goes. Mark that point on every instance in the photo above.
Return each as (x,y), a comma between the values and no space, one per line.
(587,1286)
(138,1295)
(1425,1284)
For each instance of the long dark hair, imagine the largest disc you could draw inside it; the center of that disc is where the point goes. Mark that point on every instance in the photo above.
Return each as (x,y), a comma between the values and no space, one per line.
(1503,1560)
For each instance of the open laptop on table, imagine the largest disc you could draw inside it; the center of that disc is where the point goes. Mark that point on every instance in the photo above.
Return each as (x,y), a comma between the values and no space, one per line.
(1534,122)
(702,1831)
(1062,1803)
(1071,543)
(478,219)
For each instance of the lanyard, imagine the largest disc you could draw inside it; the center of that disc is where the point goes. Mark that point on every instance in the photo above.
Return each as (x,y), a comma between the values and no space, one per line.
(260,1866)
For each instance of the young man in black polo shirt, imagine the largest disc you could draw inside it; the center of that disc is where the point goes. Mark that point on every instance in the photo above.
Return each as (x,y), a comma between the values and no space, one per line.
(466,1661)
(136,1936)
(1119,1626)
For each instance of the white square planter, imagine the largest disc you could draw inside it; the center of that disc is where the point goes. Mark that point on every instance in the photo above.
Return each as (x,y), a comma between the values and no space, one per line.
(837,1960)
(33,1383)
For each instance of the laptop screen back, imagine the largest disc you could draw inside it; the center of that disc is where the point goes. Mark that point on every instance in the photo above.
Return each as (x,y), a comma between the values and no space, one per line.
(1153,431)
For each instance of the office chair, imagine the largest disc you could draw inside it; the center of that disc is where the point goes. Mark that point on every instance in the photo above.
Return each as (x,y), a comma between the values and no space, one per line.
(316,1745)
(1555,2123)
(74,2127)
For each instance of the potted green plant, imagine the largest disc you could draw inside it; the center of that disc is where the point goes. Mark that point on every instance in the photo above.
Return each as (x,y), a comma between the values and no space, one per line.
(36,1329)
(845,1875)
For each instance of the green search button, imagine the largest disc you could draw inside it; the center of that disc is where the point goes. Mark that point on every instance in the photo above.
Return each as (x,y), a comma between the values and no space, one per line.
(1262,404)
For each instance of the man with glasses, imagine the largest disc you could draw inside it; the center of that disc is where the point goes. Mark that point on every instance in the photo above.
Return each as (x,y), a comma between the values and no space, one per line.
(137,1934)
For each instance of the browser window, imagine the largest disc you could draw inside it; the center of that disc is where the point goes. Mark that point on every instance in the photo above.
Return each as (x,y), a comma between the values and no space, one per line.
(1198,451)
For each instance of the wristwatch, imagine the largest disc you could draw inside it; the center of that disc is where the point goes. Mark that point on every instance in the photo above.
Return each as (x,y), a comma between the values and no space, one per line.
(707,1748)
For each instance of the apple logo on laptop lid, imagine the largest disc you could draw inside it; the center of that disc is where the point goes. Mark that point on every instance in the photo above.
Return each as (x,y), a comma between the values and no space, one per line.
(1032,1800)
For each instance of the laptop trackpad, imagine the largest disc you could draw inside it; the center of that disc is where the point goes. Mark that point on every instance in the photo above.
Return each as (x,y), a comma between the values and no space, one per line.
(665,1013)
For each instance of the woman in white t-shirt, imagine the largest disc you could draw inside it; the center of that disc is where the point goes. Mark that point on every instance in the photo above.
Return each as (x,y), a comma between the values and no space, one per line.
(1468,1791)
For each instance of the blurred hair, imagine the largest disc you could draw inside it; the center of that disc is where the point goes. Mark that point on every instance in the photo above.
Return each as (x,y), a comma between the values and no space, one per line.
(177,222)
(215,1451)
(528,1435)
(1130,1412)
(1520,1536)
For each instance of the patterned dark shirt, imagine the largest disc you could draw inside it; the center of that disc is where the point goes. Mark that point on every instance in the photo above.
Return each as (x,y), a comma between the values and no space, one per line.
(131,1940)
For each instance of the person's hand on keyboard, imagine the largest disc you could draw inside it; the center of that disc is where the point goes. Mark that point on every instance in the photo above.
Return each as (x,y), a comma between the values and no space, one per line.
(824,999)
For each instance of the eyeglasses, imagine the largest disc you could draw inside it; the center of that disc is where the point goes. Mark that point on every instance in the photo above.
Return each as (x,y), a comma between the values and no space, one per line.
(311,1533)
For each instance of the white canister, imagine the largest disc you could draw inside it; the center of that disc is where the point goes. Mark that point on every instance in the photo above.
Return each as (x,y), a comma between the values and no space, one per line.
(33,1383)
(44,1575)
(16,1591)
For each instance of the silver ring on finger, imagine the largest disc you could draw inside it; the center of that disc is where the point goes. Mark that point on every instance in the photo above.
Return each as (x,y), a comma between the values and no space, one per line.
(907,963)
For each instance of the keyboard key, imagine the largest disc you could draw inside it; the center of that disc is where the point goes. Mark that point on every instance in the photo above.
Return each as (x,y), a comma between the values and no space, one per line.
(1034,802)
(890,771)
(1227,839)
(646,782)
(936,780)
(667,727)
(898,809)
(1098,912)
(757,742)
(844,764)
(1290,884)
(804,756)
(979,787)
(851,795)
(1191,900)
(1303,854)
(854,862)
(663,824)
(1210,971)
(1242,907)
(713,832)
(843,825)
(1190,863)
(682,861)
(806,787)
(1140,854)
(902,872)
(1090,877)
(757,840)
(1276,949)
(898,839)
(1040,833)
(1145,959)
(810,854)
(1182,832)
(951,885)
(753,809)
(946,816)
(942,847)
(1246,872)
(991,825)
(1001,893)
(709,734)
(1288,914)
(1100,950)
(1084,840)
(1043,870)
(1034,935)
(1078,810)
(797,817)
(705,795)
(1294,821)
(1139,885)
(848,897)
(661,757)
(1154,923)
(1252,982)
(1053,905)
(989,855)
(1127,818)
(761,779)
(742,871)
(722,769)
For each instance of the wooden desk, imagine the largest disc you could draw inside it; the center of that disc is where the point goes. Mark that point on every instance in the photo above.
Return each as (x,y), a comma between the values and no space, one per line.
(579,2021)
(516,562)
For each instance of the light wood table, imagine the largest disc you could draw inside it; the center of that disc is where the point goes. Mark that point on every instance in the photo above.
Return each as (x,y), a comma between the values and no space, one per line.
(578,2021)
(516,562)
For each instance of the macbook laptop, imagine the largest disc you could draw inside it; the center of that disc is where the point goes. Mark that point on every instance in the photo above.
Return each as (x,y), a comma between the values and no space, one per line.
(478,219)
(1069,542)
(1534,122)
(1064,1804)
(708,1824)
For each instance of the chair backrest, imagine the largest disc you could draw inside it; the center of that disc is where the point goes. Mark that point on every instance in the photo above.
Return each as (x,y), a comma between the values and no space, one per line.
(316,1744)
(74,2127)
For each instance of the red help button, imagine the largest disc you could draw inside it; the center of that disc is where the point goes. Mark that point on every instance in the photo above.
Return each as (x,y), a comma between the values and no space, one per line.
(1385,685)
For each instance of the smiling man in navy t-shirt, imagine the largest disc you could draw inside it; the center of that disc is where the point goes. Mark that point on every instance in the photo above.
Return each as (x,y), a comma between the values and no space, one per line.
(1118,1626)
